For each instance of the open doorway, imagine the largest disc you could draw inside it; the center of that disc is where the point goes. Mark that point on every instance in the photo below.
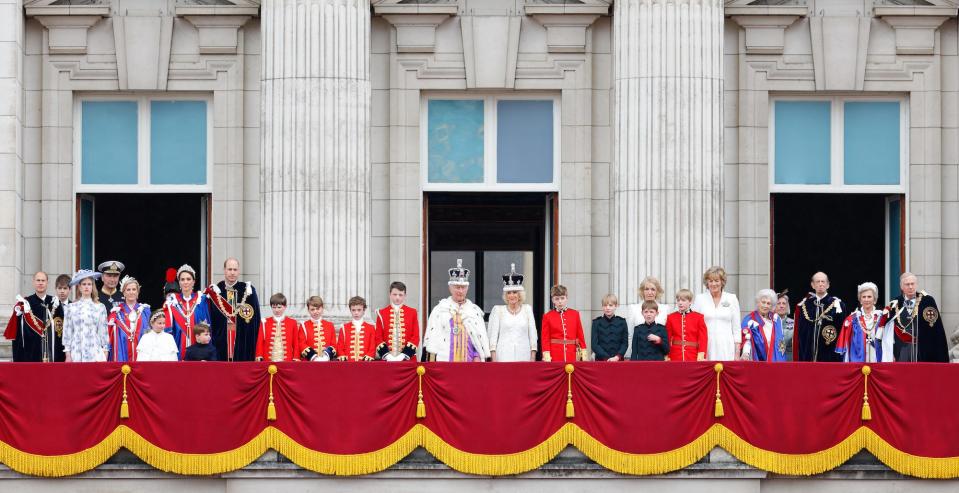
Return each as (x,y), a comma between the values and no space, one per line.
(490,231)
(147,232)
(853,238)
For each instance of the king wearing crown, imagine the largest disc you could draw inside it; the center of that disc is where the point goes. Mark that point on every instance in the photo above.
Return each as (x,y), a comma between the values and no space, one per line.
(456,330)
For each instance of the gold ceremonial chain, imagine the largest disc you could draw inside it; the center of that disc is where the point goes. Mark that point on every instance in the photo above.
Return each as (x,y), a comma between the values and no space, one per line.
(318,335)
(682,332)
(398,338)
(912,316)
(805,313)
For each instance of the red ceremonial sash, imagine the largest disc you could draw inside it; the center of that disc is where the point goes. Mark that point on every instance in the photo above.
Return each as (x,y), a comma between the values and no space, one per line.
(28,317)
(221,304)
(180,316)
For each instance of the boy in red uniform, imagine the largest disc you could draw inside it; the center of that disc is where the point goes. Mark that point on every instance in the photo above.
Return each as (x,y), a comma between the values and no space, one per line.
(562,337)
(686,330)
(357,341)
(397,327)
(277,339)
(317,337)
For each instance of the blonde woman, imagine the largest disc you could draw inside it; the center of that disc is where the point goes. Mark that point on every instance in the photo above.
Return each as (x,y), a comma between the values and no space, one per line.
(650,289)
(85,323)
(512,328)
(721,311)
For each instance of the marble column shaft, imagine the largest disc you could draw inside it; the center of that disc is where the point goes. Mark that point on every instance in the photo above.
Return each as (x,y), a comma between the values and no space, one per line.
(667,180)
(316,93)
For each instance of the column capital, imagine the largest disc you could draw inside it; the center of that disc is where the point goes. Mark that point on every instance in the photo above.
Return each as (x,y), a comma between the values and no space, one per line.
(68,33)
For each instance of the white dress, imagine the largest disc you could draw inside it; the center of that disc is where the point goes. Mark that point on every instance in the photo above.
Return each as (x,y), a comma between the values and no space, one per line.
(633,314)
(156,346)
(512,336)
(85,331)
(722,323)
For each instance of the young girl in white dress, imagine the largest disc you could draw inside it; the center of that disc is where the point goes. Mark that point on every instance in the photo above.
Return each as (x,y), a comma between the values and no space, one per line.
(85,336)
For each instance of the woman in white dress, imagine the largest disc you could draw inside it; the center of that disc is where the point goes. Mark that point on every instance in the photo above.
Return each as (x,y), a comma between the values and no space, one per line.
(512,328)
(650,289)
(721,311)
(85,336)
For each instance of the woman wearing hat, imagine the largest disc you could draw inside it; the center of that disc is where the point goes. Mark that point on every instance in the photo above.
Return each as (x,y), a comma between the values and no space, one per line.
(512,329)
(85,322)
(127,322)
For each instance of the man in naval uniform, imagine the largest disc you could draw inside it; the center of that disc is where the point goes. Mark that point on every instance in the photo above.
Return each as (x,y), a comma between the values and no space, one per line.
(916,322)
(818,319)
(235,314)
(109,294)
(455,330)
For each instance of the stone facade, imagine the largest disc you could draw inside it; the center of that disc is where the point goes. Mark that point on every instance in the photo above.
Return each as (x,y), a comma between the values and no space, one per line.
(317,181)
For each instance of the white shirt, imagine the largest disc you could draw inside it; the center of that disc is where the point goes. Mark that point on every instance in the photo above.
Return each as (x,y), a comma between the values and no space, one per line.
(156,346)
(722,324)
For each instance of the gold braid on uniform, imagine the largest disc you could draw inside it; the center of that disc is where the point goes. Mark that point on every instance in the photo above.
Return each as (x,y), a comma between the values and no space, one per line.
(805,314)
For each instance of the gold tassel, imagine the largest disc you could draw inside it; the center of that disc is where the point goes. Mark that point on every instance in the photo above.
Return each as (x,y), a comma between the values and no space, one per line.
(866,412)
(420,405)
(718,411)
(271,408)
(570,411)
(124,407)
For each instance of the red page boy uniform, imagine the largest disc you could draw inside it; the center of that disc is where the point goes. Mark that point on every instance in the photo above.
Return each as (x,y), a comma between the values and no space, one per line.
(277,340)
(317,341)
(562,335)
(397,331)
(687,336)
(357,341)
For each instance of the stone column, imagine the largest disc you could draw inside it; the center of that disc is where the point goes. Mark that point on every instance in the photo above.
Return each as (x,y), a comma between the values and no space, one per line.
(315,186)
(11,151)
(667,179)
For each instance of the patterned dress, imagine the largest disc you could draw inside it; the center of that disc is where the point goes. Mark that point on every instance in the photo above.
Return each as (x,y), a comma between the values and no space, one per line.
(85,335)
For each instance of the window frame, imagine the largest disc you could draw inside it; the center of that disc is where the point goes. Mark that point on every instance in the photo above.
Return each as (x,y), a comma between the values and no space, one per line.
(144,143)
(490,127)
(837,145)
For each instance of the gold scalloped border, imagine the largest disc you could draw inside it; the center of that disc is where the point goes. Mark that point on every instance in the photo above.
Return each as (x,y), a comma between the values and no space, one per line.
(481,464)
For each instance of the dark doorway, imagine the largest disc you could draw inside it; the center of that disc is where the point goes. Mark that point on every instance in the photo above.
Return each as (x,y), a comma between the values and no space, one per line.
(489,231)
(147,232)
(853,238)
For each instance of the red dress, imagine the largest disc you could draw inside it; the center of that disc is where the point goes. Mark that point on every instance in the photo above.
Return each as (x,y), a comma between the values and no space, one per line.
(397,331)
(319,339)
(277,341)
(356,345)
(562,335)
(687,334)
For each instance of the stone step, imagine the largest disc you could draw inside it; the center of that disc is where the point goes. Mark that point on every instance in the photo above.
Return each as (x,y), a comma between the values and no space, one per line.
(6,350)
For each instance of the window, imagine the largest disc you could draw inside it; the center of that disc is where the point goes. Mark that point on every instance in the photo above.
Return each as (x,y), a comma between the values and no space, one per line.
(139,143)
(490,143)
(838,144)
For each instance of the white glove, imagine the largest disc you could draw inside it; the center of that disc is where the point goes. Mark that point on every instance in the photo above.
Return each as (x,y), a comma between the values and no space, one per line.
(26,305)
(171,300)
(56,302)
(391,357)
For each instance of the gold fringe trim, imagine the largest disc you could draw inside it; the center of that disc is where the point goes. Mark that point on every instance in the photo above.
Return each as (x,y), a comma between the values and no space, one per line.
(496,465)
(482,464)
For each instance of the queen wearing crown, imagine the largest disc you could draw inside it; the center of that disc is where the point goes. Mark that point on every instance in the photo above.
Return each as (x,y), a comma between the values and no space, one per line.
(456,330)
(512,328)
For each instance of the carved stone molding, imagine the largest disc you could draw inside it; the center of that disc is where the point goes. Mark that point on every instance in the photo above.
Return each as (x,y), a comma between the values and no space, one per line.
(765,34)
(68,33)
(490,45)
(566,33)
(915,35)
(217,33)
(416,33)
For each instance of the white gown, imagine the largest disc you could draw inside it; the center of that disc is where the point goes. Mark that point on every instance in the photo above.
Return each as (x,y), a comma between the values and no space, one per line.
(722,323)
(155,346)
(512,336)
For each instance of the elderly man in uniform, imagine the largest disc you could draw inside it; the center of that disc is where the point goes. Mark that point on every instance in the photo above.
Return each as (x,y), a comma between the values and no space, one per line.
(235,315)
(456,330)
(917,325)
(817,322)
(109,293)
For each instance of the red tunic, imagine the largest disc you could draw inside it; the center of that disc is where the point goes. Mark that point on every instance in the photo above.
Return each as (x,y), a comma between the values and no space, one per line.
(317,338)
(353,346)
(687,335)
(403,339)
(562,335)
(280,339)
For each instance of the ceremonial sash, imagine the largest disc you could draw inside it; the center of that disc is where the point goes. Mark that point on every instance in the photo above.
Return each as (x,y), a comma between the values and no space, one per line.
(224,306)
(29,319)
(184,319)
